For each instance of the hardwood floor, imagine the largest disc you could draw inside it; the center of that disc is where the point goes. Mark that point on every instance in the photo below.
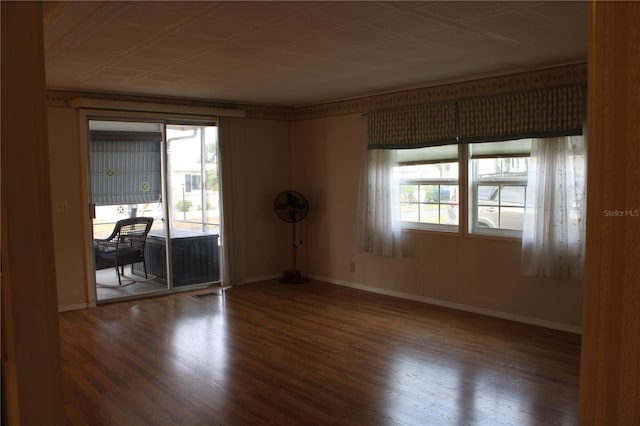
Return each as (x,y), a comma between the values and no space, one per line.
(315,353)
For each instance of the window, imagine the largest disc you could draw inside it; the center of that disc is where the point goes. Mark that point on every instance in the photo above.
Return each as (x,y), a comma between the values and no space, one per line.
(192,182)
(429,187)
(428,179)
(194,192)
(498,177)
(494,172)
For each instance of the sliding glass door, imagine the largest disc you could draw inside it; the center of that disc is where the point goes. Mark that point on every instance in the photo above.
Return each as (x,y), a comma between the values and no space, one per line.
(156,206)
(194,204)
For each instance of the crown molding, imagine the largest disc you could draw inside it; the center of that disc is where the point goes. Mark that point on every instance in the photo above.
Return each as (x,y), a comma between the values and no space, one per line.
(539,79)
(64,98)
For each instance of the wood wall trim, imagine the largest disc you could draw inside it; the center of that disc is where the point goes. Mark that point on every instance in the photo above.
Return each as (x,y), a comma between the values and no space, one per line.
(31,359)
(610,365)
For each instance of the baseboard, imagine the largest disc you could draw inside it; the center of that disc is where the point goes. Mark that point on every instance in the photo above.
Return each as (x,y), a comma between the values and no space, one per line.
(458,306)
(75,307)
(260,278)
(80,306)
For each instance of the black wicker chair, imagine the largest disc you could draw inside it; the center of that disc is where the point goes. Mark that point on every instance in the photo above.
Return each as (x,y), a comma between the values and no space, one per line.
(125,245)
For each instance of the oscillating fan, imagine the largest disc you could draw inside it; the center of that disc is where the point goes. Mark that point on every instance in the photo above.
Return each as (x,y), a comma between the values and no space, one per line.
(292,207)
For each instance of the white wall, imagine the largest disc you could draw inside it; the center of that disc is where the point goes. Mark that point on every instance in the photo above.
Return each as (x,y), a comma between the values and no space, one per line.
(65,161)
(260,161)
(469,272)
(323,162)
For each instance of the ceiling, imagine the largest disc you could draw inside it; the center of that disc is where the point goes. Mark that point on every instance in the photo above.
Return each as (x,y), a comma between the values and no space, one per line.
(301,53)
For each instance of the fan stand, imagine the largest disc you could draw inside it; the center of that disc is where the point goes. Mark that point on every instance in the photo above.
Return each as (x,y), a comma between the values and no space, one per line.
(293,276)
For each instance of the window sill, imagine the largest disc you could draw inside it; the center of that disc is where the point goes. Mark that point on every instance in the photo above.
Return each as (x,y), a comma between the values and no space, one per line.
(496,236)
(455,231)
(431,229)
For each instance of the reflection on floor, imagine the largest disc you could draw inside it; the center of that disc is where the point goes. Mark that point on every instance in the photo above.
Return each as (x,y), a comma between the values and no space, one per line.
(107,285)
(314,354)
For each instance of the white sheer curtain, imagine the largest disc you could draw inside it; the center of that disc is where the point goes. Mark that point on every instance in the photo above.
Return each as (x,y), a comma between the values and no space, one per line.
(379,205)
(554,221)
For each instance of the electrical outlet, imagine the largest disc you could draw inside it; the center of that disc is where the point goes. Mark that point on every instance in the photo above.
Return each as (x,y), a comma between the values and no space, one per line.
(62,206)
(352,267)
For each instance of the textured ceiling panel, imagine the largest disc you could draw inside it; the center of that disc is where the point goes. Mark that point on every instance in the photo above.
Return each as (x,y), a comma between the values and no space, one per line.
(301,53)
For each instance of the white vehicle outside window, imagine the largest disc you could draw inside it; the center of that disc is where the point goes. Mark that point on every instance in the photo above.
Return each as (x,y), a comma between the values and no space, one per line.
(498,176)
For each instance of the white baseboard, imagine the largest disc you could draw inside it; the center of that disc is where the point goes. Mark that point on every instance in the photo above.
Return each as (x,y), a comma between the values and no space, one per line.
(437,302)
(458,306)
(261,278)
(76,307)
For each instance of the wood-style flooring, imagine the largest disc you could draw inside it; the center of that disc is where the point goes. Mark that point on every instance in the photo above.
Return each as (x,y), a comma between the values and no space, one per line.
(311,354)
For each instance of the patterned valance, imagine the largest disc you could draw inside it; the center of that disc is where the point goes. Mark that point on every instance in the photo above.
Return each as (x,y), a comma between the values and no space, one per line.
(125,167)
(559,111)
(540,113)
(412,127)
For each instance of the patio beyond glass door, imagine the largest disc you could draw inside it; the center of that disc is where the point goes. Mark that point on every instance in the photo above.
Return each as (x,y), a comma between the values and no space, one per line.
(126,180)
(168,174)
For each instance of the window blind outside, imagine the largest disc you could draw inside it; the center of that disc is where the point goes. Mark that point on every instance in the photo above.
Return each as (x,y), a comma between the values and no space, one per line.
(412,127)
(515,148)
(428,154)
(125,167)
(540,113)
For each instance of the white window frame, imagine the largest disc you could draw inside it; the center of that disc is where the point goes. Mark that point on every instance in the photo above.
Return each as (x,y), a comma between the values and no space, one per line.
(446,228)
(467,183)
(474,182)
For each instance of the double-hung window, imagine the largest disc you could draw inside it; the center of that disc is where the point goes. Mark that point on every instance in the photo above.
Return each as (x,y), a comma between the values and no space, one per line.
(429,183)
(498,182)
(429,180)
(424,187)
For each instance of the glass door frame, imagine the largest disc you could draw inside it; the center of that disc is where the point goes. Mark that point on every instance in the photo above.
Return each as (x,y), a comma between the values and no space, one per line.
(197,248)
(164,119)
